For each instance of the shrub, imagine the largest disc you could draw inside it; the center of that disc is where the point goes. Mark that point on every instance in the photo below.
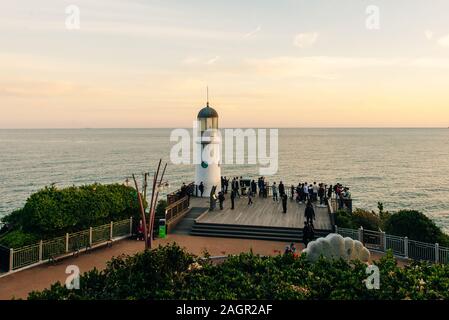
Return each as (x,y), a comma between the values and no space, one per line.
(52,212)
(367,219)
(416,226)
(343,219)
(18,238)
(171,273)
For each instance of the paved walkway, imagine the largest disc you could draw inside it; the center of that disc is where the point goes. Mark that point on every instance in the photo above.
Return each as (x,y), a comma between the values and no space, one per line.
(19,284)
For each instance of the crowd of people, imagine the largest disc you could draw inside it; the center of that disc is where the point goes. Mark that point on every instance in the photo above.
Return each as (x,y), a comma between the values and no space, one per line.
(313,195)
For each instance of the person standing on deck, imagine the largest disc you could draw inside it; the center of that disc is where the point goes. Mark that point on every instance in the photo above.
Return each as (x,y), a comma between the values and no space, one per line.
(292,190)
(305,189)
(281,188)
(221,199)
(321,193)
(309,212)
(315,189)
(250,198)
(274,189)
(253,188)
(226,184)
(329,192)
(232,199)
(284,202)
(201,188)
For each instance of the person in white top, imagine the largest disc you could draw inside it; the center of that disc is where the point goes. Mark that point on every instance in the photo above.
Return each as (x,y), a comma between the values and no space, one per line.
(274,189)
(306,192)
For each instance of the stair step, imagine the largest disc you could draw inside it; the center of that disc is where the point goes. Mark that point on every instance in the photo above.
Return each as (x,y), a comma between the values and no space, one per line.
(246,236)
(250,232)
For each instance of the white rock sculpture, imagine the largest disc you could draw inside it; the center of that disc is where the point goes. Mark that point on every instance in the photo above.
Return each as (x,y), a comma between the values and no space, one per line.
(334,246)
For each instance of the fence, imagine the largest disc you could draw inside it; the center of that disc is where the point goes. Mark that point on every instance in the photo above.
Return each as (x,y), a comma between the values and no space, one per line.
(68,244)
(400,246)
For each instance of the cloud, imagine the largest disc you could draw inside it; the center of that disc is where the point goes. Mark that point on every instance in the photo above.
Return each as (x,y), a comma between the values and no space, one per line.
(429,34)
(251,33)
(213,60)
(330,67)
(444,41)
(305,40)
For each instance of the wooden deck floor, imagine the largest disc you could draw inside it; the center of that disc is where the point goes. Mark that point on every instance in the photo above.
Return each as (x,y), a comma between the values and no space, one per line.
(264,212)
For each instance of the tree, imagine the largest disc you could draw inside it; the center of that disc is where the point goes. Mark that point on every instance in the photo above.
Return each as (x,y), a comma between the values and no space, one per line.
(415,225)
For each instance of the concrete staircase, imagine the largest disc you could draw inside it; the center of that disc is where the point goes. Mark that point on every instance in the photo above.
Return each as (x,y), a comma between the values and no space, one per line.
(251,232)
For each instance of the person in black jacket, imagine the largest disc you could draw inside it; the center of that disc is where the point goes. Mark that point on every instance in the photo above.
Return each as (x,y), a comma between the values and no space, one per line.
(305,234)
(281,189)
(284,202)
(221,199)
(201,188)
(309,212)
(233,199)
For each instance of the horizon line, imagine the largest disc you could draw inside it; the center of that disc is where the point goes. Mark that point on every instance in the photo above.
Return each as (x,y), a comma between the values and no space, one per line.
(146,128)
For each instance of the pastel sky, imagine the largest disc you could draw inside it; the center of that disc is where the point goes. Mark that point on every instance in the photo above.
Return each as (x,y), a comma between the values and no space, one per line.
(283,63)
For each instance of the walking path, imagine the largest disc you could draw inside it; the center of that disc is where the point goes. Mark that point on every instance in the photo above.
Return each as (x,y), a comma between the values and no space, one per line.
(19,284)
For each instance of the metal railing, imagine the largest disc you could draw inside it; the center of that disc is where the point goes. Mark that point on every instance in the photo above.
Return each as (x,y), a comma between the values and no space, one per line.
(400,246)
(176,209)
(70,243)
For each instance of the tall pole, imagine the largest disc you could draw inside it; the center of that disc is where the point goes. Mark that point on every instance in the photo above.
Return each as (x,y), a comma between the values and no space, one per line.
(150,240)
(142,212)
(153,211)
(145,184)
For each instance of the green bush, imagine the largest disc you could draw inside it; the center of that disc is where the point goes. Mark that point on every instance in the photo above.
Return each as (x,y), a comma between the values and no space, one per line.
(18,238)
(343,219)
(367,219)
(52,212)
(171,273)
(416,226)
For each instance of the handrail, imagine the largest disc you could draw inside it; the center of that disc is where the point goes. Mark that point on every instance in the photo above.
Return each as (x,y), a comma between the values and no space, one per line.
(401,246)
(46,250)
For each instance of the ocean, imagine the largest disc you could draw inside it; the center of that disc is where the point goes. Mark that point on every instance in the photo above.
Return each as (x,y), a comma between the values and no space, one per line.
(403,168)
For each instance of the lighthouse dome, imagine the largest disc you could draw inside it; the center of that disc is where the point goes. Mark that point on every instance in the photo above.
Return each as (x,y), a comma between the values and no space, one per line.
(207,112)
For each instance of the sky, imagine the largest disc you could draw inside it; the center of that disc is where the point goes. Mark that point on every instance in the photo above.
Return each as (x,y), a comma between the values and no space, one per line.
(283,63)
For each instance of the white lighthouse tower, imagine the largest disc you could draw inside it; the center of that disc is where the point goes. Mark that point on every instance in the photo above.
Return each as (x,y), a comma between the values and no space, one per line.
(208,169)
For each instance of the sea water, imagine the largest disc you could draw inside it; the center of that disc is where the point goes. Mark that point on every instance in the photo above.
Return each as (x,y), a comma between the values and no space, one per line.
(403,168)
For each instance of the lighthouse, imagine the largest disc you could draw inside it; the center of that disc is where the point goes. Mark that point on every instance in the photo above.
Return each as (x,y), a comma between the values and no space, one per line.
(208,142)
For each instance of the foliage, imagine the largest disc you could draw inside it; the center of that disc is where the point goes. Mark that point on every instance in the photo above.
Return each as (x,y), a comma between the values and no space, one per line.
(343,219)
(17,238)
(52,212)
(171,273)
(367,219)
(416,226)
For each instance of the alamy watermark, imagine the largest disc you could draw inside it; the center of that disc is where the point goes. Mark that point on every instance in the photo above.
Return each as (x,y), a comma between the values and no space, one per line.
(73,17)
(262,146)
(72,282)
(373,280)
(372,21)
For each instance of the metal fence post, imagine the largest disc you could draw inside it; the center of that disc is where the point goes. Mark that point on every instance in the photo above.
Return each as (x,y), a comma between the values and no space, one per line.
(384,241)
(131,226)
(41,245)
(11,259)
(66,242)
(406,247)
(336,229)
(90,237)
(361,234)
(111,230)
(437,253)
